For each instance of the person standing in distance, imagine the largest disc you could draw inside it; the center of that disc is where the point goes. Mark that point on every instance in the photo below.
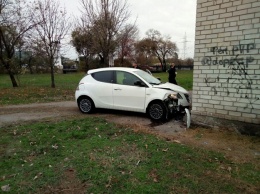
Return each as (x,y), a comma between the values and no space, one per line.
(172,74)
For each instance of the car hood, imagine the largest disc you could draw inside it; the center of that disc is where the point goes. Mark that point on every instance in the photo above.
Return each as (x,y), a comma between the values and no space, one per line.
(173,87)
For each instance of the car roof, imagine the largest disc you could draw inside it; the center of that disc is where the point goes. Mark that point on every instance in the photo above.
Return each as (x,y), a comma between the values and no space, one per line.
(128,69)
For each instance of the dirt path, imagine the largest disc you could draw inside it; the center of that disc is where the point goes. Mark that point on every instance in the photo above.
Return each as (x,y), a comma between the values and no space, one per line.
(238,148)
(55,110)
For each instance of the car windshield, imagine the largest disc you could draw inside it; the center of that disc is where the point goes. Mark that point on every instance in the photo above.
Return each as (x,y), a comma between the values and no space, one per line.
(147,77)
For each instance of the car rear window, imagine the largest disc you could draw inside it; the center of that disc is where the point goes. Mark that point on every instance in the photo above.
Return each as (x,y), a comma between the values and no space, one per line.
(104,76)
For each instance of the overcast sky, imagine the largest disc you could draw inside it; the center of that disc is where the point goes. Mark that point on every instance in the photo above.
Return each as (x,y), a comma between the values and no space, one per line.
(174,18)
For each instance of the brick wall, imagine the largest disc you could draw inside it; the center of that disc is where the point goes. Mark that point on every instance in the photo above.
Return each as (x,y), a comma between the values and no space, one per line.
(226,81)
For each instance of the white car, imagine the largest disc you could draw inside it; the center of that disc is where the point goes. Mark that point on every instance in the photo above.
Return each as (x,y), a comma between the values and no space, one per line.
(130,89)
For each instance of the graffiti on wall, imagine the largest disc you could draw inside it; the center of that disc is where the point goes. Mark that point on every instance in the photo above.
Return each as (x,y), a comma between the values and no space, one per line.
(235,52)
(236,82)
(220,2)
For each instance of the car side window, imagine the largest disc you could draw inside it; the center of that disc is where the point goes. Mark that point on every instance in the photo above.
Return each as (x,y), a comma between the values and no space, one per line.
(104,76)
(125,78)
(119,77)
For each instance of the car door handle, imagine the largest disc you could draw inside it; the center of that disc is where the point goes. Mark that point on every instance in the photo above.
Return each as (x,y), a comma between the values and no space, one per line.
(117,89)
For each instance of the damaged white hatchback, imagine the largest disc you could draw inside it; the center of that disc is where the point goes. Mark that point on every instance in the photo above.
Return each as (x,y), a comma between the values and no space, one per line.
(131,89)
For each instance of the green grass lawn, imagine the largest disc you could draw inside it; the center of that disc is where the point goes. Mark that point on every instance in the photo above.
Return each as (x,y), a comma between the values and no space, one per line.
(92,156)
(184,78)
(36,87)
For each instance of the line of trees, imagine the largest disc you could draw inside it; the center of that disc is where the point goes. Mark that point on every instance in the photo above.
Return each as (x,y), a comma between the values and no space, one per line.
(100,34)
(36,27)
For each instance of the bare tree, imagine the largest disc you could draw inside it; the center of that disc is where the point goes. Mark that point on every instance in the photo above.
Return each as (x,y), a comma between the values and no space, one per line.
(126,39)
(144,48)
(15,21)
(105,18)
(52,27)
(156,45)
(153,34)
(35,58)
(82,40)
(164,48)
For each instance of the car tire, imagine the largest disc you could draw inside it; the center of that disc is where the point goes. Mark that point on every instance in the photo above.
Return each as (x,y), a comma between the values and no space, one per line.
(86,105)
(157,111)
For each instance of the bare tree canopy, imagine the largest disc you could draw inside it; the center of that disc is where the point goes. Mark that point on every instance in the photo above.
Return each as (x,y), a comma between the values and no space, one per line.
(156,45)
(83,42)
(53,25)
(105,18)
(126,39)
(15,21)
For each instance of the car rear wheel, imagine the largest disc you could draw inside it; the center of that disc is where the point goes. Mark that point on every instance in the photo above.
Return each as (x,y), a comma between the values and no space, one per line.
(86,105)
(157,111)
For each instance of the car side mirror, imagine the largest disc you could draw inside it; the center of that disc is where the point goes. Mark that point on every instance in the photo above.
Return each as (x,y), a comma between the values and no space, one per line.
(139,83)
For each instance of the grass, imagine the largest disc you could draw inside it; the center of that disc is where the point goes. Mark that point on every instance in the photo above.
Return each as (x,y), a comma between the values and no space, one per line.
(184,78)
(92,156)
(36,87)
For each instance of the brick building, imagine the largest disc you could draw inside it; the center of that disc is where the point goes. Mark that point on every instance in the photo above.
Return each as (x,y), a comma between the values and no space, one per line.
(226,85)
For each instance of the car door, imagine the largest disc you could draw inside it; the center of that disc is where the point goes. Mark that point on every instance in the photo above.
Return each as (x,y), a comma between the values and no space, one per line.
(126,95)
(102,89)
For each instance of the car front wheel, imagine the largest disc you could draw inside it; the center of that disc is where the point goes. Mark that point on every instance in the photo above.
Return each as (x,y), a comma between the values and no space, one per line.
(157,111)
(86,105)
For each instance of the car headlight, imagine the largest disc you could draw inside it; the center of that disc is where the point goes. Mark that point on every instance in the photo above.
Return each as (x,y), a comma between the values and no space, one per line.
(173,96)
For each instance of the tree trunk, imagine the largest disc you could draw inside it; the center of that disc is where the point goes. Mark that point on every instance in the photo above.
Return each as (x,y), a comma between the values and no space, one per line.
(86,64)
(102,61)
(164,65)
(52,77)
(30,65)
(14,82)
(52,72)
(106,60)
(122,61)
(11,75)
